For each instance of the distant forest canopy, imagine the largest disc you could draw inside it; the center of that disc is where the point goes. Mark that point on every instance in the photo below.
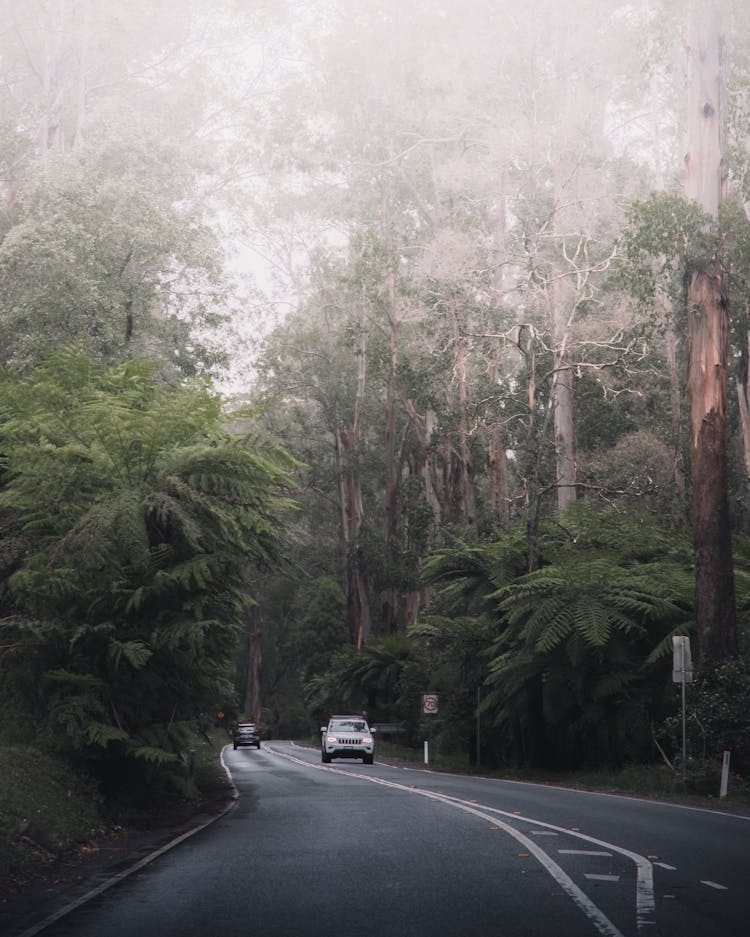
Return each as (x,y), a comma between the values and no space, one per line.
(474,282)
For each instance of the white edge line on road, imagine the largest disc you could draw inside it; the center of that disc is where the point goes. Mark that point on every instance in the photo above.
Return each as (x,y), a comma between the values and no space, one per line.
(583,852)
(559,787)
(100,889)
(579,897)
(645,902)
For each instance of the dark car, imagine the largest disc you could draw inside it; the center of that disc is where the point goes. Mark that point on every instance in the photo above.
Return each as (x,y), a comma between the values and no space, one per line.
(246,733)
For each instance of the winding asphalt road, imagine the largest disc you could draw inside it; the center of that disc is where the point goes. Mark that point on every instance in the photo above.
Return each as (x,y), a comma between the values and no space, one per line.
(312,849)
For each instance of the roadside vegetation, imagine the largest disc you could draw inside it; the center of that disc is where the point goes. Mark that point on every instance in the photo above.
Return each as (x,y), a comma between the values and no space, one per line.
(50,808)
(474,455)
(132,523)
(649,780)
(45,808)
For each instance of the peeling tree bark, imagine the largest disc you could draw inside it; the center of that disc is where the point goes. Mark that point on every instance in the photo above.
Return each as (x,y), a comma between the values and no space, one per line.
(708,353)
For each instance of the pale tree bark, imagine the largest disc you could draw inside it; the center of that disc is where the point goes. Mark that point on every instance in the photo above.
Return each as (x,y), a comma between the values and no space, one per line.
(81,73)
(497,467)
(461,381)
(425,426)
(708,351)
(401,611)
(59,65)
(251,702)
(527,347)
(562,292)
(675,394)
(497,457)
(563,396)
(392,466)
(346,445)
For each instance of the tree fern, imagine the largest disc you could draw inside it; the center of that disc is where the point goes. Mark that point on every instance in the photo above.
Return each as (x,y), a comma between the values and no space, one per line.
(141,513)
(585,637)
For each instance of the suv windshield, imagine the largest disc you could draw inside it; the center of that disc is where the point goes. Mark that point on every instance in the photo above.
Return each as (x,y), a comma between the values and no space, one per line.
(350,725)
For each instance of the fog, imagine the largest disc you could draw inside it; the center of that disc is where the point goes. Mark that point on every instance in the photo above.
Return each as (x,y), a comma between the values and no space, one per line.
(177,173)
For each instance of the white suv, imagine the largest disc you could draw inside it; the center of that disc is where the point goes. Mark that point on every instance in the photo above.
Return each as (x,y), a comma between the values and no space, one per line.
(347,737)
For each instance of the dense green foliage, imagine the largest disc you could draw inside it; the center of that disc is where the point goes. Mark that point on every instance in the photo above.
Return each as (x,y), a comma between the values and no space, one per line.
(479,244)
(131,521)
(491,252)
(566,667)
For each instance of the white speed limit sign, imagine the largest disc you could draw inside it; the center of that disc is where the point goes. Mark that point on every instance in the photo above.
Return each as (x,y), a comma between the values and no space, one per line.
(429,703)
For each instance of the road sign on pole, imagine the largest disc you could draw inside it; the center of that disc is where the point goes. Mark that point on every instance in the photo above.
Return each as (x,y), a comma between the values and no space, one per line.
(429,704)
(682,673)
(682,661)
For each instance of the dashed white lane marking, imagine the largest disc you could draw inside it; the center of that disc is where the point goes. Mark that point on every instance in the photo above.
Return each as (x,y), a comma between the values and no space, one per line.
(667,866)
(714,885)
(583,852)
(601,878)
(645,903)
(597,917)
(543,833)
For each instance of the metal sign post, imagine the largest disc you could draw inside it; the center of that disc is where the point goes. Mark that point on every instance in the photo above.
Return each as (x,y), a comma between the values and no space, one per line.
(429,708)
(682,673)
(479,726)
(724,774)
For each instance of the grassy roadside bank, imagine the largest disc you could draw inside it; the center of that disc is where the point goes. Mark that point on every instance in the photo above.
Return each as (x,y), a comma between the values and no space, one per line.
(655,780)
(48,811)
(651,781)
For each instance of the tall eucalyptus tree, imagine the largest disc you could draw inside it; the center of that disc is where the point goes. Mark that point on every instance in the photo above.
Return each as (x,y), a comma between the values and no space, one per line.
(708,346)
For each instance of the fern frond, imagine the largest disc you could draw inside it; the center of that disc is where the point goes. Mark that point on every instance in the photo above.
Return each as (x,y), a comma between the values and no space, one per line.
(154,756)
(136,653)
(102,733)
(613,684)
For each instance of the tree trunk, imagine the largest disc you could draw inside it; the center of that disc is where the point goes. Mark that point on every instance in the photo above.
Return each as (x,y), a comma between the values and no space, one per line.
(708,352)
(352,510)
(563,401)
(498,478)
(460,374)
(251,704)
(527,347)
(562,292)
(679,509)
(499,486)
(743,394)
(392,467)
(357,592)
(82,67)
